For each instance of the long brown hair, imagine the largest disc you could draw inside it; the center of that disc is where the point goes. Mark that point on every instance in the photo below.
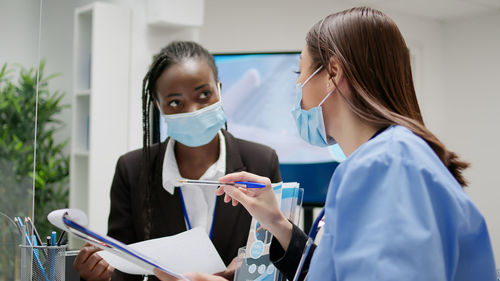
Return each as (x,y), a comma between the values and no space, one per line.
(376,63)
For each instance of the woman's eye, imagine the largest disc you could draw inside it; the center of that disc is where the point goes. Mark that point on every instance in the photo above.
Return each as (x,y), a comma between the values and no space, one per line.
(173,104)
(296,72)
(205,95)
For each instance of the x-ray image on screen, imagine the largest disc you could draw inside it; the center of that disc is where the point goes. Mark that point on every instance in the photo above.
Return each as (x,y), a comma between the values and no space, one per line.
(258,94)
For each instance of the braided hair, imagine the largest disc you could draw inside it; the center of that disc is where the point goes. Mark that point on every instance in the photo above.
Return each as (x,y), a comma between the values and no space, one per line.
(174,53)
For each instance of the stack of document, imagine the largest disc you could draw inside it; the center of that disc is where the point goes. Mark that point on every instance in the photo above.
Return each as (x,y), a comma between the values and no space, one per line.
(189,251)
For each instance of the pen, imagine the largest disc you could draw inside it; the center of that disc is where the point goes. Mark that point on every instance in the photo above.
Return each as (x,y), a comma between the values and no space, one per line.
(53,239)
(33,228)
(246,184)
(35,248)
(24,230)
(18,226)
(59,241)
(29,230)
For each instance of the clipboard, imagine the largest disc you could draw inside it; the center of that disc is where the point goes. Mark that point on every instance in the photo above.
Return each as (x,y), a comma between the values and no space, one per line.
(110,244)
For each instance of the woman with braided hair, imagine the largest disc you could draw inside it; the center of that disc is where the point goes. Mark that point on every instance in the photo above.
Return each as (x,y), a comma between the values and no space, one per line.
(146,201)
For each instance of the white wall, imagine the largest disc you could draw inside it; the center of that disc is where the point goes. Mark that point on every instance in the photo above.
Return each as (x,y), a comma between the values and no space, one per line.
(19,25)
(472,76)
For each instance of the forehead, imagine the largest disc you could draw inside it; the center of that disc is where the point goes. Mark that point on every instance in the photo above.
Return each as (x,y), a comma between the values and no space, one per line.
(187,73)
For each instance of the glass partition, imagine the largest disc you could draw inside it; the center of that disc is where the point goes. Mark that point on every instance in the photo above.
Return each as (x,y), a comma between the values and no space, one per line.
(19,61)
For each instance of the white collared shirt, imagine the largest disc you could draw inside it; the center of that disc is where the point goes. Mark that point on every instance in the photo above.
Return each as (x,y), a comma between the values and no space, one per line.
(199,200)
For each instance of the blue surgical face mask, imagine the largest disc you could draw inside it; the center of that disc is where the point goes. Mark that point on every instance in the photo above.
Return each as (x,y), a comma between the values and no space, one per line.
(310,122)
(196,128)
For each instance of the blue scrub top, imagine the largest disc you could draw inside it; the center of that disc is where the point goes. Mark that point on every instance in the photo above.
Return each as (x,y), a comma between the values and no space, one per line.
(394,212)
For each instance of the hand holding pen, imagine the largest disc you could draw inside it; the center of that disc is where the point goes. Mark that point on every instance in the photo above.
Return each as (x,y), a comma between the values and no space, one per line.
(261,204)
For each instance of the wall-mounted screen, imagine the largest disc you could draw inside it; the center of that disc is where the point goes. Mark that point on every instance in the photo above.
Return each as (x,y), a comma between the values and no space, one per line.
(258,93)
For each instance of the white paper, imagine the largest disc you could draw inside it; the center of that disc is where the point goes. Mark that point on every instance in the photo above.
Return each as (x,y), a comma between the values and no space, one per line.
(56,217)
(189,251)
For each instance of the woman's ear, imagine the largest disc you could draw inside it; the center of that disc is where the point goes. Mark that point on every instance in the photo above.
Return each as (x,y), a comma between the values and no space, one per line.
(334,72)
(219,89)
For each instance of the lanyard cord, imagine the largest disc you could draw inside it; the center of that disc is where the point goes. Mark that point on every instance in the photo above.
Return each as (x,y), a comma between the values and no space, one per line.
(186,217)
(314,228)
(310,241)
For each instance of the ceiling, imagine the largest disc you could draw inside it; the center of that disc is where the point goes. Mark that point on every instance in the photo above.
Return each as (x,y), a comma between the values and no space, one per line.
(444,10)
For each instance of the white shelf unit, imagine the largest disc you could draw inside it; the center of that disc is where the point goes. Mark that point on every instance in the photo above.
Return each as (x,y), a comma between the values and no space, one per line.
(101,67)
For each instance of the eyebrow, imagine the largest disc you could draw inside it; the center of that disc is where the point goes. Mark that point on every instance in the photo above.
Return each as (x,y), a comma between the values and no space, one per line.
(179,94)
(201,86)
(174,95)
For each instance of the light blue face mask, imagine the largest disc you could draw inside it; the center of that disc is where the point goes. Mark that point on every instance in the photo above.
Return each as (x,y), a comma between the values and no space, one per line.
(310,122)
(196,128)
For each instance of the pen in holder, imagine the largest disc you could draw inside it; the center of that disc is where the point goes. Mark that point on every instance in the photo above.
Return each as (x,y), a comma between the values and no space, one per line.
(42,263)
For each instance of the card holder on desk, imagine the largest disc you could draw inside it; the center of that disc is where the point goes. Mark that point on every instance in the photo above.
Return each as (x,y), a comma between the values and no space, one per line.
(253,262)
(259,269)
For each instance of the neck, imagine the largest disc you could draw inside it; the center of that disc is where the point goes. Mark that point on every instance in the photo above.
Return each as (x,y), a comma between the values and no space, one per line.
(354,133)
(194,161)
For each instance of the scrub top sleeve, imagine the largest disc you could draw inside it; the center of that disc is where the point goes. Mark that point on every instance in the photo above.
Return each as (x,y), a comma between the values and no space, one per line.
(287,262)
(385,227)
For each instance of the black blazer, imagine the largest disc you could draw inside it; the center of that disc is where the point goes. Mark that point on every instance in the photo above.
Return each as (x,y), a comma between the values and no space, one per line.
(231,224)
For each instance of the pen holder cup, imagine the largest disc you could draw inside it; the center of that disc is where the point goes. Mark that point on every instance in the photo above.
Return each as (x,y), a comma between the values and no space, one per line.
(42,263)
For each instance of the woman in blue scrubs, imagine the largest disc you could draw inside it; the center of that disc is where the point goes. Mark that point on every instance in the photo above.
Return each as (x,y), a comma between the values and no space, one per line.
(396,208)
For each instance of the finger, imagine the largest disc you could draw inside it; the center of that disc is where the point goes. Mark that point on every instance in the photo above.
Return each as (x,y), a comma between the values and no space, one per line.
(244,176)
(93,265)
(198,276)
(100,268)
(85,252)
(219,191)
(227,198)
(228,274)
(239,196)
(163,276)
(108,273)
(234,202)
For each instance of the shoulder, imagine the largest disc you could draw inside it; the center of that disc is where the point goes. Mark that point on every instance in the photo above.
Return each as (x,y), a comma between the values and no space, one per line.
(400,157)
(397,160)
(396,144)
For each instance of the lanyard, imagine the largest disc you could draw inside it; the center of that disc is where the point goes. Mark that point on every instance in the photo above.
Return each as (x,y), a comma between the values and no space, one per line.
(186,217)
(310,241)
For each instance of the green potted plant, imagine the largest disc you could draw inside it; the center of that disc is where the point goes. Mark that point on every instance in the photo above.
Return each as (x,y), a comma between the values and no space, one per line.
(18,87)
